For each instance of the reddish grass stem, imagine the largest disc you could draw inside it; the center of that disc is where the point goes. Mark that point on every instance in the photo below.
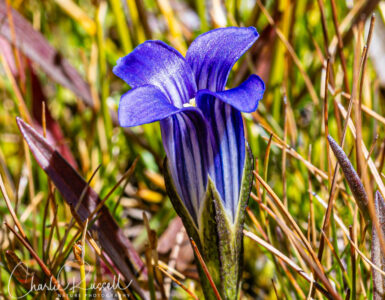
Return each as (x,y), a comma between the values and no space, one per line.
(42,265)
(204,267)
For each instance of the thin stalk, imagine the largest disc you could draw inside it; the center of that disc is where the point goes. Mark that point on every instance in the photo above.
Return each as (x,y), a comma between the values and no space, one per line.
(206,271)
(201,7)
(106,130)
(324,27)
(340,45)
(326,118)
(284,154)
(353,261)
(287,260)
(150,273)
(82,268)
(275,260)
(178,282)
(121,24)
(134,13)
(290,49)
(313,240)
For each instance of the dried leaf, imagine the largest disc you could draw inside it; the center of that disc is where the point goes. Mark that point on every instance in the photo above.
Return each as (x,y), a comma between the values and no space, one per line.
(71,185)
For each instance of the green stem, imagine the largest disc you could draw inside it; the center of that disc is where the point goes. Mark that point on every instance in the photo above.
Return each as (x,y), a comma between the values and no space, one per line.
(107,124)
(201,7)
(121,24)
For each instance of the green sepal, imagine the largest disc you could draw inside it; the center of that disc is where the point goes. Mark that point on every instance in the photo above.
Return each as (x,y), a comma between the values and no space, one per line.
(219,240)
(230,235)
(208,234)
(193,232)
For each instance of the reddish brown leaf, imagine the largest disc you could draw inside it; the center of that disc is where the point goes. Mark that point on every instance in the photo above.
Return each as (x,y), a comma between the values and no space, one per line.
(54,132)
(71,185)
(34,46)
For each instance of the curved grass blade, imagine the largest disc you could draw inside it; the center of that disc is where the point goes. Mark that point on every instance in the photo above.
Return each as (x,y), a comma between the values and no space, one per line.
(352,178)
(71,186)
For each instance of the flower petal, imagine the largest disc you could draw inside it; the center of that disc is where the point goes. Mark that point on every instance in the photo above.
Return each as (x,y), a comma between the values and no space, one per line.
(213,54)
(156,63)
(145,104)
(187,144)
(244,98)
(228,148)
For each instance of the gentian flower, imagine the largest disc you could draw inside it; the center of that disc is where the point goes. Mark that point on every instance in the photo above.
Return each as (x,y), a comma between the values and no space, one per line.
(209,170)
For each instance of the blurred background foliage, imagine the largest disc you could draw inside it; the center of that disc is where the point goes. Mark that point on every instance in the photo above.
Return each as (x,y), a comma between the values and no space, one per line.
(296,38)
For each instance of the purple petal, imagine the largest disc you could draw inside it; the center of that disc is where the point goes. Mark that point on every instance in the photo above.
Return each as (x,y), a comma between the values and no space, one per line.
(228,142)
(187,144)
(213,54)
(143,105)
(244,98)
(155,63)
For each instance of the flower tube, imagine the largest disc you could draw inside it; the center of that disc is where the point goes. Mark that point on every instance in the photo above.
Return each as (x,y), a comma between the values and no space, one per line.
(208,169)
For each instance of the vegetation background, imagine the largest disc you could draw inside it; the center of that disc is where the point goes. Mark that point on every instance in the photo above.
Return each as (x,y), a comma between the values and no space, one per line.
(317,58)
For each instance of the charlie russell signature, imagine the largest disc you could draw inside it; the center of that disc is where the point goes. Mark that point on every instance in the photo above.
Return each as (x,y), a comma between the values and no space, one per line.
(33,285)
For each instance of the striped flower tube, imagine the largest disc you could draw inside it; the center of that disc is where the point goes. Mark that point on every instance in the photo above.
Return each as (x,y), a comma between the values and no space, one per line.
(208,168)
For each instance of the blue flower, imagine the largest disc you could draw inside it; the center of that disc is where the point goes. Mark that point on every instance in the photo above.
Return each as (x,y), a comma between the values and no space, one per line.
(201,123)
